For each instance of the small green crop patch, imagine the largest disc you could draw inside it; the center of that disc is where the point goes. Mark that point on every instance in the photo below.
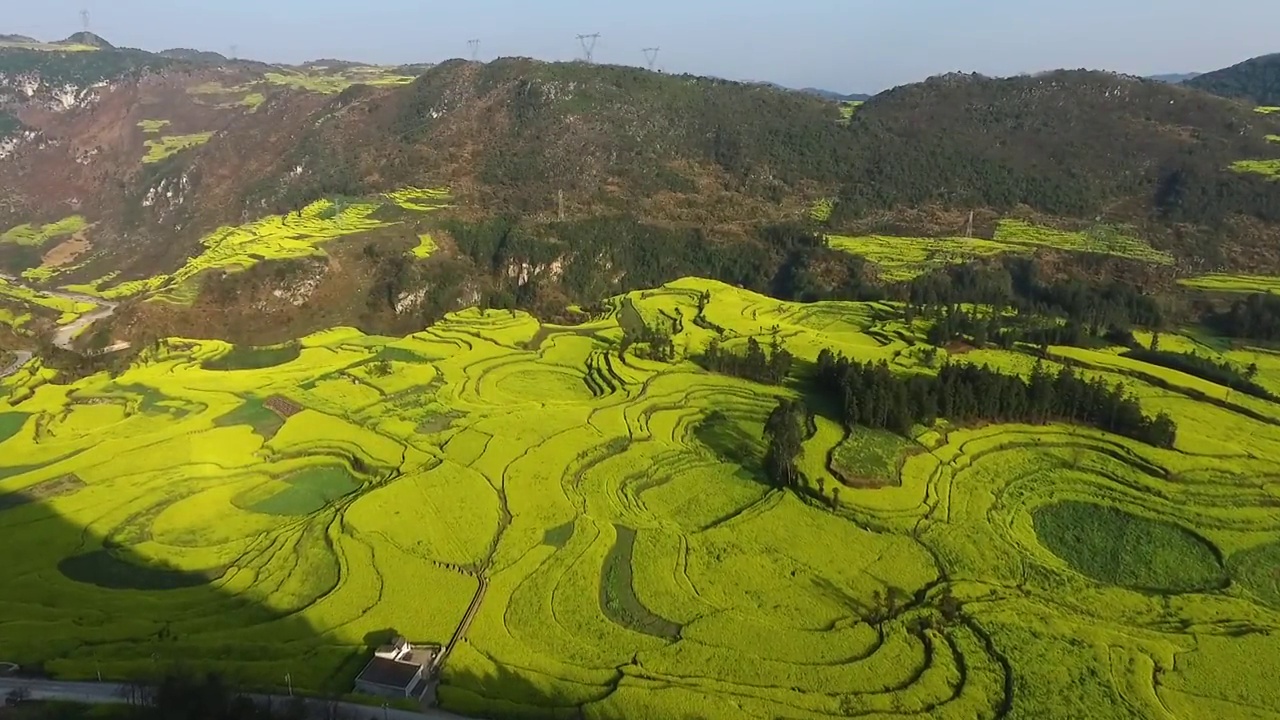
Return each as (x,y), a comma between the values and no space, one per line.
(1222,282)
(153,126)
(426,247)
(104,569)
(322,80)
(1117,548)
(1266,168)
(170,145)
(1257,570)
(1273,138)
(11,423)
(252,101)
(847,110)
(256,415)
(870,458)
(1267,110)
(618,595)
(900,259)
(244,357)
(37,235)
(309,490)
(820,211)
(1101,239)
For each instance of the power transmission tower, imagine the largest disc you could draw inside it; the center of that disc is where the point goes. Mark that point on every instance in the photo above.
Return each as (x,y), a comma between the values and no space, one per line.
(235,50)
(84,19)
(589,45)
(968,231)
(475,49)
(560,203)
(651,55)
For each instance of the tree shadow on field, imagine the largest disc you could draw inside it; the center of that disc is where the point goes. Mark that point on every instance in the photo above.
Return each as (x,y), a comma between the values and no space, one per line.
(731,442)
(507,695)
(81,607)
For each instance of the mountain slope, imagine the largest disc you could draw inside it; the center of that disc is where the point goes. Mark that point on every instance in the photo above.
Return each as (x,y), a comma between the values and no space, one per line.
(1256,80)
(154,155)
(1069,143)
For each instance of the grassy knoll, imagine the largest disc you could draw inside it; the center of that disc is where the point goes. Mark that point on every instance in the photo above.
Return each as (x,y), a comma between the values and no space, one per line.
(168,145)
(271,509)
(38,235)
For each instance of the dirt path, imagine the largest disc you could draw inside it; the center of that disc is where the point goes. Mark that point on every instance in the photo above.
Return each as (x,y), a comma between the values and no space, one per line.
(67,334)
(461,632)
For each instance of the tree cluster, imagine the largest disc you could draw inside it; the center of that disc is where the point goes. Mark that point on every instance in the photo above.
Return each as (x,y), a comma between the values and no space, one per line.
(1222,373)
(870,395)
(1256,317)
(785,431)
(769,367)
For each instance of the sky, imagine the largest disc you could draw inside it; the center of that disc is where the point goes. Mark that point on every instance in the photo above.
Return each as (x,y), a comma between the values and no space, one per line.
(841,45)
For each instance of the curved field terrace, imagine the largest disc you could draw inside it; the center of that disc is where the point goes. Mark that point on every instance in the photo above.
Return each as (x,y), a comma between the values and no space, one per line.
(599,532)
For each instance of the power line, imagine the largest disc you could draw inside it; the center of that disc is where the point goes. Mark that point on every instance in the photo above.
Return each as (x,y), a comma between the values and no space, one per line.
(589,46)
(651,55)
(475,49)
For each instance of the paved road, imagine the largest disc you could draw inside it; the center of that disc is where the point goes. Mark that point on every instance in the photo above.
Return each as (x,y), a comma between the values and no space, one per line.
(66,334)
(94,693)
(22,357)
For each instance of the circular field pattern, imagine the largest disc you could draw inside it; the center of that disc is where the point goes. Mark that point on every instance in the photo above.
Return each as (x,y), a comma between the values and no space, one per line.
(1118,548)
(600,532)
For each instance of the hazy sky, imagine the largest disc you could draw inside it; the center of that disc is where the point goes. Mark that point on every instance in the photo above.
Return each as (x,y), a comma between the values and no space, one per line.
(845,45)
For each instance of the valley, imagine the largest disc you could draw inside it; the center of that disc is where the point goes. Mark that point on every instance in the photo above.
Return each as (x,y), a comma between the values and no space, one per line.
(622,394)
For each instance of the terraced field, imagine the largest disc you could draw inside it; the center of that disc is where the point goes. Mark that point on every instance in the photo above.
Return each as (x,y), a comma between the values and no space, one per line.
(1222,282)
(900,259)
(265,511)
(275,237)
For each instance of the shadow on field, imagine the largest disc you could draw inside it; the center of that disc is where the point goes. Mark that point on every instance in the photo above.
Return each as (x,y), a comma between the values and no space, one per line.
(505,695)
(78,606)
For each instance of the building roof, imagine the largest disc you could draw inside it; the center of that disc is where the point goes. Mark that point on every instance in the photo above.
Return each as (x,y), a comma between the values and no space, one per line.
(389,673)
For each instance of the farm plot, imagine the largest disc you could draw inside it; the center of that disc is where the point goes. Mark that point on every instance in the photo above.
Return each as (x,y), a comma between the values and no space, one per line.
(273,510)
(1225,283)
(169,145)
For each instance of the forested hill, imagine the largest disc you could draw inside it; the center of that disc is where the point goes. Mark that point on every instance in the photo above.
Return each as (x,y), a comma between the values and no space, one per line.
(1073,144)
(1068,143)
(1256,80)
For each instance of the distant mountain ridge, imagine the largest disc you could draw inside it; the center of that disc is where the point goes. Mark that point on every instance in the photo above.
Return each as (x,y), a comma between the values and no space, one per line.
(1256,80)
(1174,78)
(835,96)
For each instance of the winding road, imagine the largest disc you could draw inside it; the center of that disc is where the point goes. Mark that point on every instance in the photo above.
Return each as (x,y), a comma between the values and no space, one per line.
(105,693)
(22,357)
(66,334)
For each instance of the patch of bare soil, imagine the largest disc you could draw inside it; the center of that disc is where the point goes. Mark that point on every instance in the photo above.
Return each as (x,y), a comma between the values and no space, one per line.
(282,406)
(64,253)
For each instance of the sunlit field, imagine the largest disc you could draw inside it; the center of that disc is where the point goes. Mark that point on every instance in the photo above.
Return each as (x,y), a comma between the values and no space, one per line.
(265,511)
